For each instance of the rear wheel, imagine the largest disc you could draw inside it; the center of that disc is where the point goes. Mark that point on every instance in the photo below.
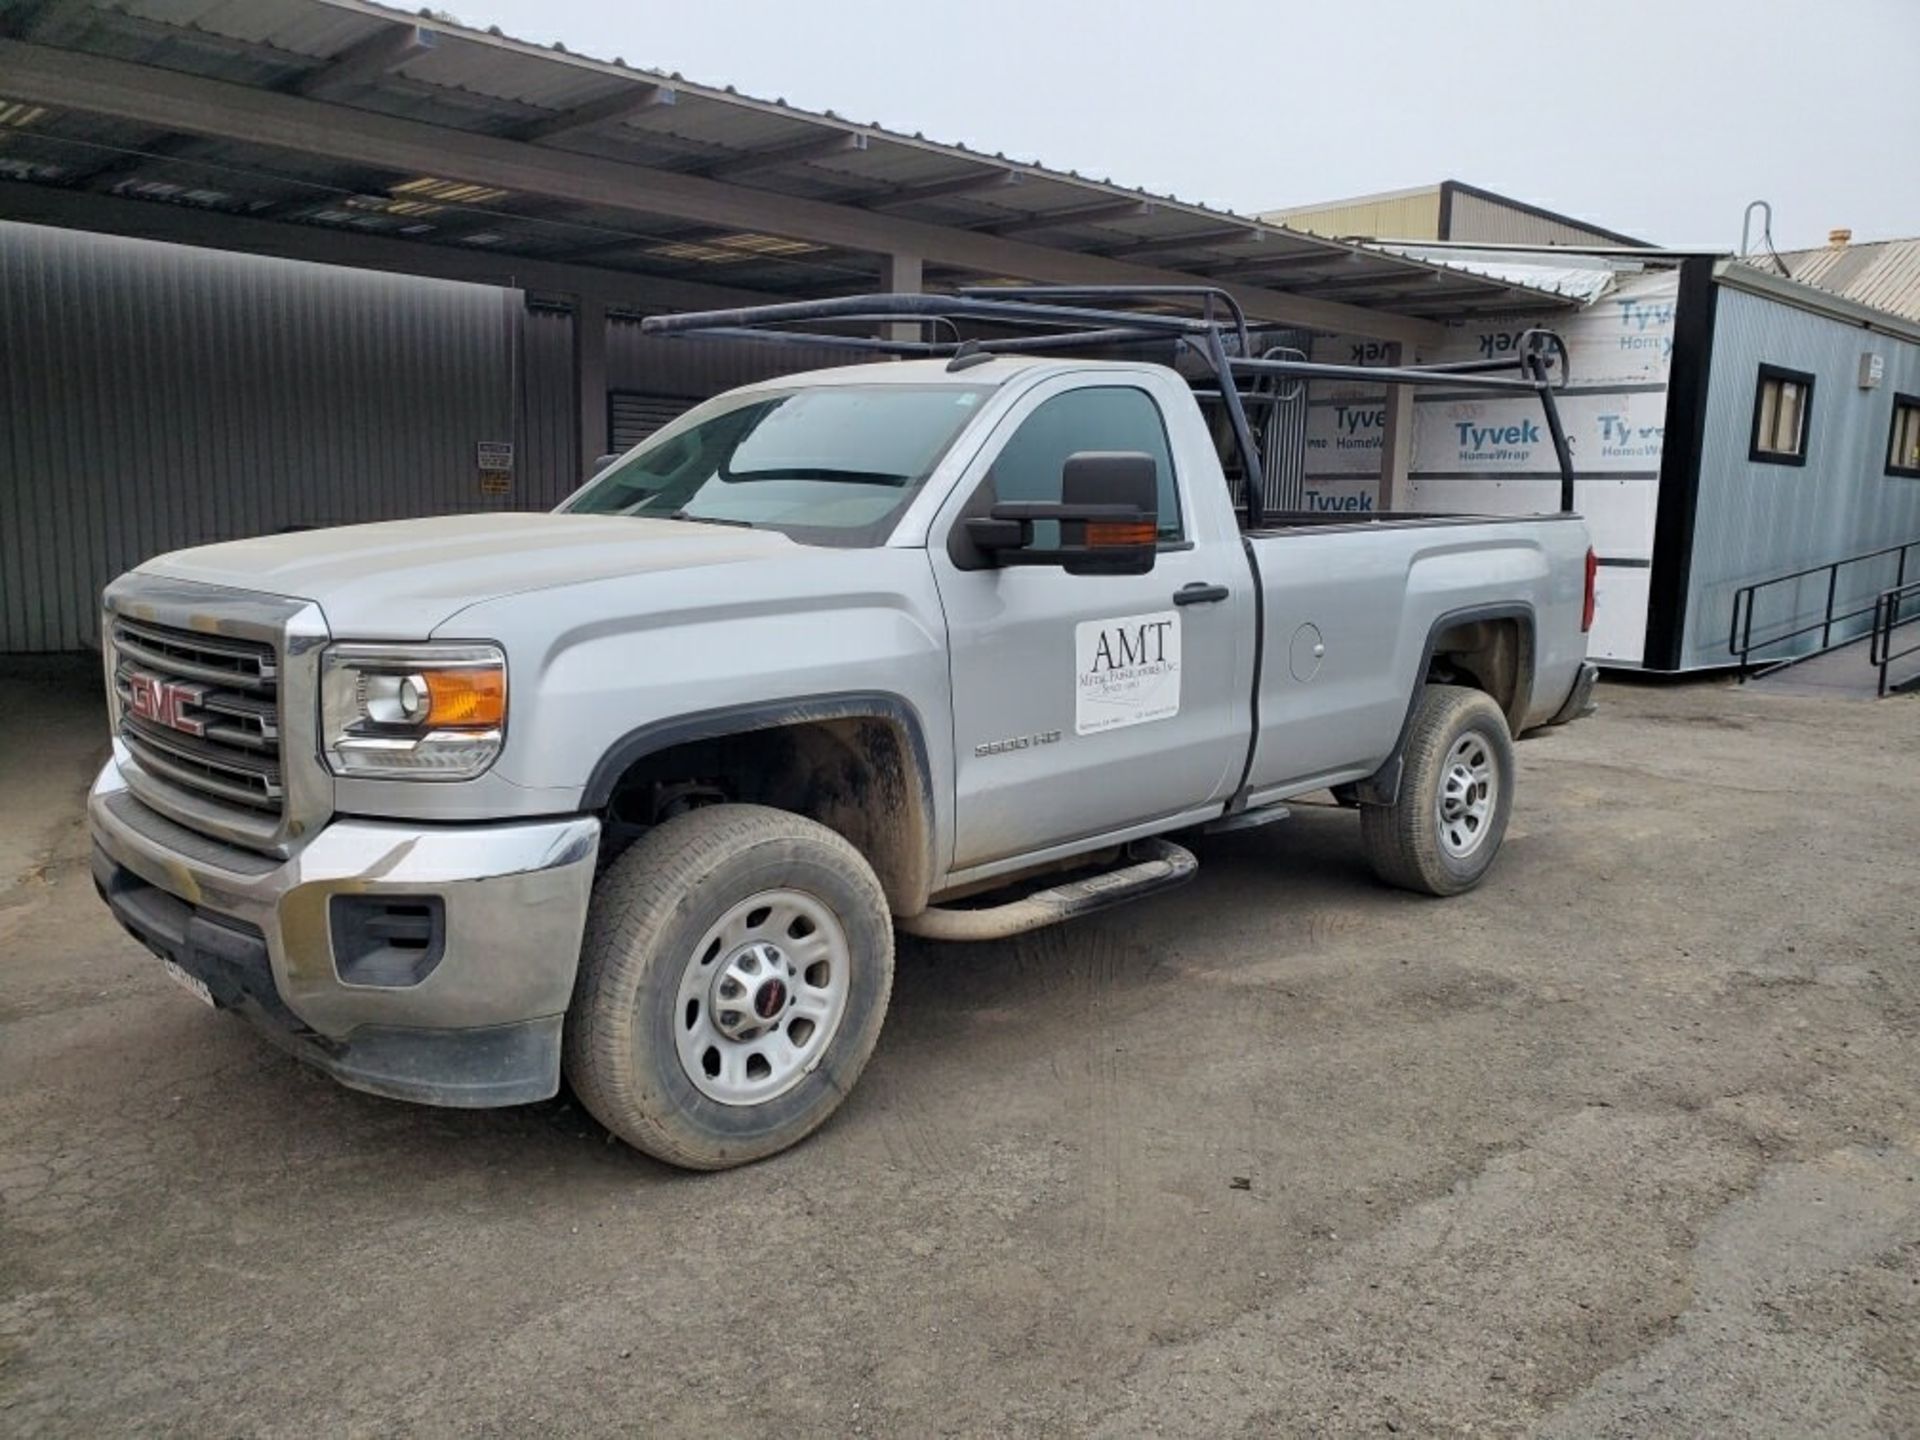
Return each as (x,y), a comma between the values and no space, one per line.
(734,977)
(1441,835)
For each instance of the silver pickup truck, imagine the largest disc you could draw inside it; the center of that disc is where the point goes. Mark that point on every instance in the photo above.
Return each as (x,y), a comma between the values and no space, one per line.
(638,791)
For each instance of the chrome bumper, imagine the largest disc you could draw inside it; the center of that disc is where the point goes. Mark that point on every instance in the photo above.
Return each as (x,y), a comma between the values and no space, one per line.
(513,897)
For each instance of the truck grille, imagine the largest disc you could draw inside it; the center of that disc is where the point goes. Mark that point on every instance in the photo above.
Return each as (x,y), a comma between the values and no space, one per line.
(201,712)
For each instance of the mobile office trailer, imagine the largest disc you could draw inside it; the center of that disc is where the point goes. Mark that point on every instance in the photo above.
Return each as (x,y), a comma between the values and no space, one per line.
(1730,429)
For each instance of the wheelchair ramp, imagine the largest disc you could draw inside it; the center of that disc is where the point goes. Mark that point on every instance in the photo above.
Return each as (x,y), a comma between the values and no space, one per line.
(1845,672)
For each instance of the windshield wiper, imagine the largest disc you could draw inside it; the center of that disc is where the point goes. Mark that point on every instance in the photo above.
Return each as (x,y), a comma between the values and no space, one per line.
(844,477)
(710,520)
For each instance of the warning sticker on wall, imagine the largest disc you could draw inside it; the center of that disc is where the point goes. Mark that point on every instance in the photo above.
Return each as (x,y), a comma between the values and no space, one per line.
(494,459)
(1126,671)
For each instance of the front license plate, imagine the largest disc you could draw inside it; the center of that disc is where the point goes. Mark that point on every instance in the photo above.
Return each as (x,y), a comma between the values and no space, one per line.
(192,984)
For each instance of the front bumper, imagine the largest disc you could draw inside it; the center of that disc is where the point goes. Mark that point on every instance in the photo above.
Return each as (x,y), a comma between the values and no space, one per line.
(480,1027)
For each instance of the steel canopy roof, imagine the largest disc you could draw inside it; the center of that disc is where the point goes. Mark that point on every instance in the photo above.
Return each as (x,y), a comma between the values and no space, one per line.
(634,172)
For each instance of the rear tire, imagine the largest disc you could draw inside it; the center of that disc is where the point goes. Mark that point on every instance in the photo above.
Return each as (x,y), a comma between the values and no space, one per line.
(1441,835)
(733,980)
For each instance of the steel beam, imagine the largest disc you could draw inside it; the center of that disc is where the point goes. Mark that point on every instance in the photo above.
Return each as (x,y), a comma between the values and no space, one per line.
(901,275)
(114,166)
(33,19)
(1478,296)
(172,100)
(773,158)
(1396,441)
(1346,284)
(367,60)
(942,189)
(631,100)
(1176,243)
(215,230)
(1078,215)
(1285,264)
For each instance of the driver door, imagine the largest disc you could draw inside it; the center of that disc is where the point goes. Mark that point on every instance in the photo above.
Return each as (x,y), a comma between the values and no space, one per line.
(1087,704)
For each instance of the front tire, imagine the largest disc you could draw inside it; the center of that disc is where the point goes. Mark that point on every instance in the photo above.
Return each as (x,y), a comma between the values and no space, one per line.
(1441,835)
(733,980)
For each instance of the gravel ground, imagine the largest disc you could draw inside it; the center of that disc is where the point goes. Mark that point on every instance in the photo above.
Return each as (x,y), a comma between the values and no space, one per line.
(1624,1143)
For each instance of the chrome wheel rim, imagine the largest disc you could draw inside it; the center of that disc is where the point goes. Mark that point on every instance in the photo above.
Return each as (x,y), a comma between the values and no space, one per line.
(1469,794)
(761,997)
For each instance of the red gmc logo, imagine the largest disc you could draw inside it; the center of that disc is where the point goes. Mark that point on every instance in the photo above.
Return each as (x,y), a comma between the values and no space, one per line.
(165,702)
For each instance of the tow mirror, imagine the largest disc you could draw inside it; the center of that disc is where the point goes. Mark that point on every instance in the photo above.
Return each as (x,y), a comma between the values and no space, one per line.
(1108,515)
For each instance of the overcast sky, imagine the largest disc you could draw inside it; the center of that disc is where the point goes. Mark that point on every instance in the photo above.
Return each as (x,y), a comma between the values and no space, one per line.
(1660,118)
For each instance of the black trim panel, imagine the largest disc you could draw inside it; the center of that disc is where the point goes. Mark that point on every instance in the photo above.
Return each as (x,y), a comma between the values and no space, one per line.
(767,715)
(1676,507)
(1450,188)
(1238,800)
(479,1067)
(1383,786)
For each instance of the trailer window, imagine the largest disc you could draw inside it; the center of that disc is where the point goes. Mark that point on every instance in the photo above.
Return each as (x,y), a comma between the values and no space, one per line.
(1105,417)
(1782,416)
(1903,443)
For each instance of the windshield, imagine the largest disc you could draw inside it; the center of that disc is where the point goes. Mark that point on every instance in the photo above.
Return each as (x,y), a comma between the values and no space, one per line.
(829,465)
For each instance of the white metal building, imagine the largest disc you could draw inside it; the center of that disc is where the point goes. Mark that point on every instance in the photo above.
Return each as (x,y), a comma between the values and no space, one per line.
(1451,210)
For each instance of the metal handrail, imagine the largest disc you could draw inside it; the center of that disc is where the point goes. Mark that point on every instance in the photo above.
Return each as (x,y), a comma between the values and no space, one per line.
(1740,641)
(1887,618)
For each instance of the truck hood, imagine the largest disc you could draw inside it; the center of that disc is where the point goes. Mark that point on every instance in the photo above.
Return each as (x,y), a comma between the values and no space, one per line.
(400,579)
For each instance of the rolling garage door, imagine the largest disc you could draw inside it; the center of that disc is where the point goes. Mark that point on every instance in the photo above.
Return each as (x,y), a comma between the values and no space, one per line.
(633,415)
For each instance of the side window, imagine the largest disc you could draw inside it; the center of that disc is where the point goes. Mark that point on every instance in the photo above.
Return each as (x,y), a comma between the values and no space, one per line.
(1109,417)
(1903,441)
(1782,403)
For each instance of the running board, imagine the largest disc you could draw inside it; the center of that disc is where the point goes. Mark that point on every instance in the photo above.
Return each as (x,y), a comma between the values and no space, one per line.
(1246,819)
(1160,865)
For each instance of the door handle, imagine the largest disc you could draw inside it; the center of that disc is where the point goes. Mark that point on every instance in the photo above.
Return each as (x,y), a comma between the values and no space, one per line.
(1200,593)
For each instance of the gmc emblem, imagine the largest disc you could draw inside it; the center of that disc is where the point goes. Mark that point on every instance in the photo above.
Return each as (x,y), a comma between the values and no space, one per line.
(165,702)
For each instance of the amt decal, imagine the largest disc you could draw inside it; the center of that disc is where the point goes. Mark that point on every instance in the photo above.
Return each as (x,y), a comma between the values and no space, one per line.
(1126,671)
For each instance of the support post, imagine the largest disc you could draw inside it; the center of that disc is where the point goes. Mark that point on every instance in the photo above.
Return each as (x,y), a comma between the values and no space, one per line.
(900,274)
(1396,442)
(590,379)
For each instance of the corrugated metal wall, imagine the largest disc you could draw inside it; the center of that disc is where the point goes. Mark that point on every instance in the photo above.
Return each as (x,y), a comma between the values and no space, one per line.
(699,368)
(158,396)
(549,427)
(1473,217)
(1755,520)
(1406,215)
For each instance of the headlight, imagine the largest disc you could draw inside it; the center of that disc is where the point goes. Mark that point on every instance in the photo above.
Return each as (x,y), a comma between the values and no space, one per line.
(412,712)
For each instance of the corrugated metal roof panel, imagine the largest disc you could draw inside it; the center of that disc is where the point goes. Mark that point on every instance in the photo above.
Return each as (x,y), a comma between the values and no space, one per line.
(1884,274)
(1578,277)
(489,83)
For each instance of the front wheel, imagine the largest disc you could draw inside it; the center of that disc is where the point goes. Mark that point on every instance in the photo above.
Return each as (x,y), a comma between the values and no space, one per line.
(732,984)
(1441,835)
